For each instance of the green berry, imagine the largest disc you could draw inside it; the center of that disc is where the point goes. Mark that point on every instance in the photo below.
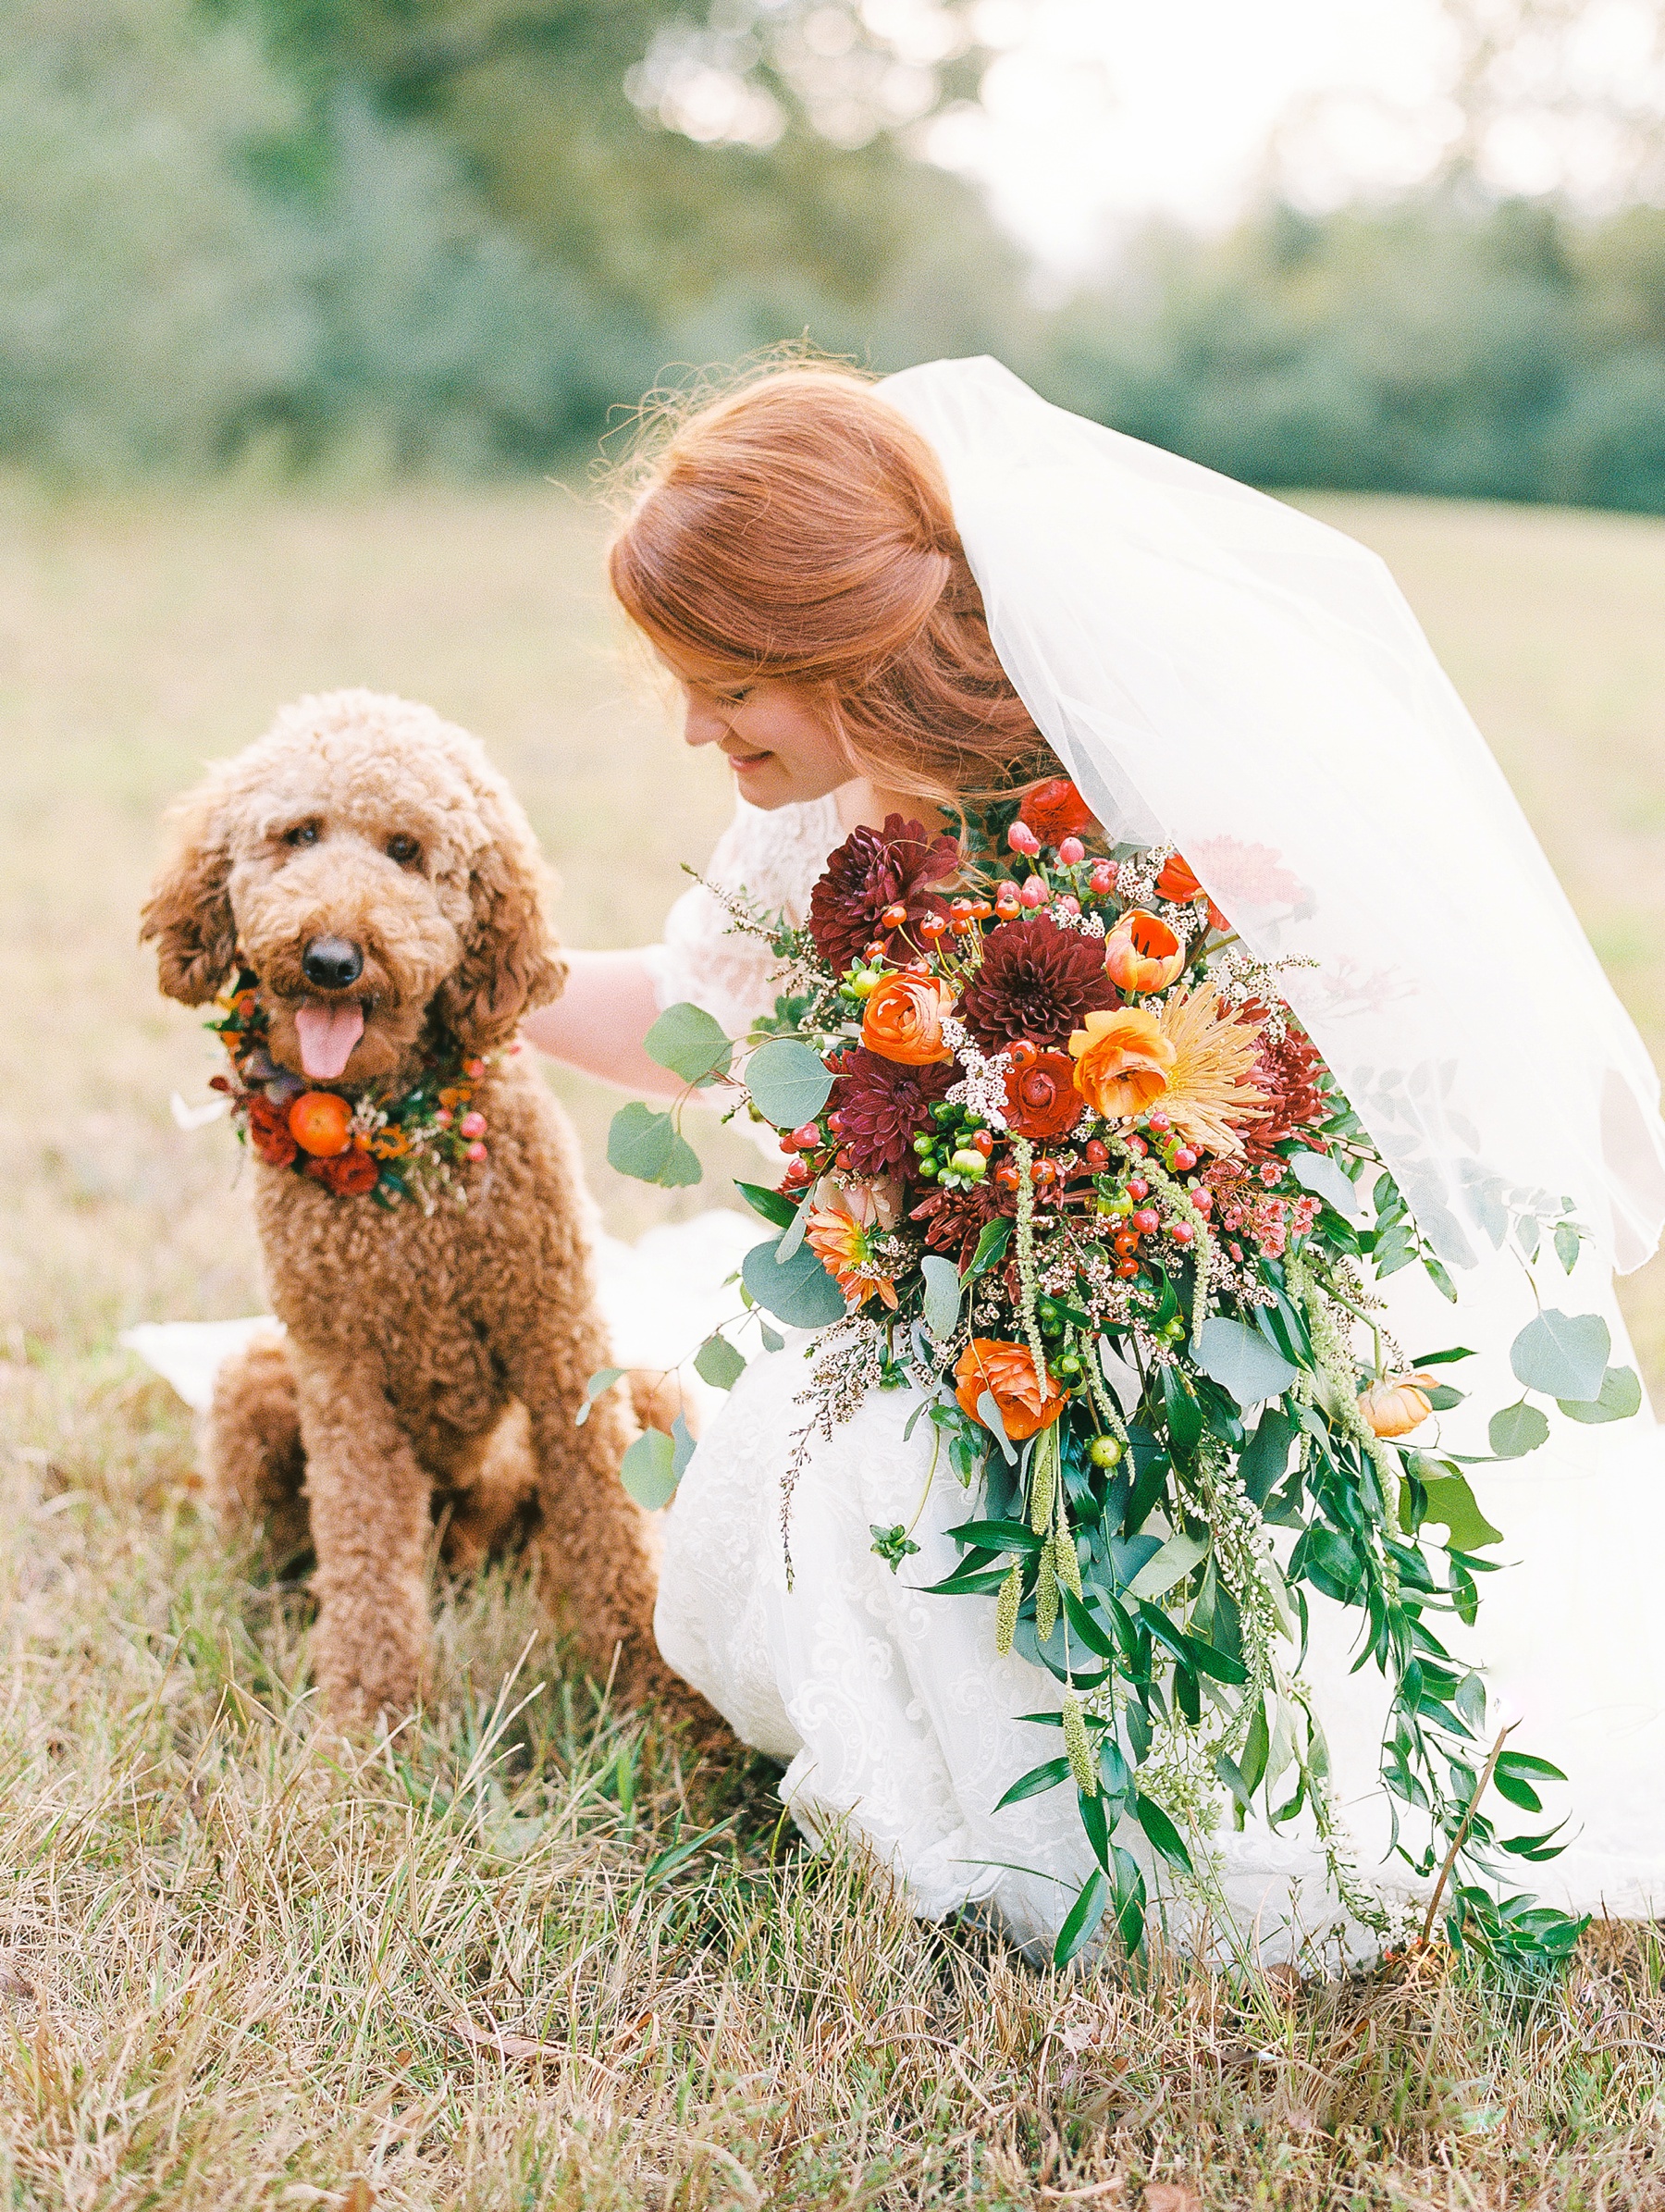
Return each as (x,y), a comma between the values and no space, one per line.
(1105,1450)
(923,1145)
(1069,1367)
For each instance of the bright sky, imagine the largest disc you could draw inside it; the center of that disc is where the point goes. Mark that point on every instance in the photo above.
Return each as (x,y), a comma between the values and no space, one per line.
(1101,110)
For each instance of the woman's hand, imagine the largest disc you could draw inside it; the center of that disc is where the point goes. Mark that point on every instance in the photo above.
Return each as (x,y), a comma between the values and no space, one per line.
(599,1022)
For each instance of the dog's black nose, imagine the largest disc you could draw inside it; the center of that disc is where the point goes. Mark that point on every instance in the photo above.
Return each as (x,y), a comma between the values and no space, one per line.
(331,963)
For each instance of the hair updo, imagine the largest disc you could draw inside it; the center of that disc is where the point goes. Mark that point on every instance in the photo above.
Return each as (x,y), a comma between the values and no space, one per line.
(799,528)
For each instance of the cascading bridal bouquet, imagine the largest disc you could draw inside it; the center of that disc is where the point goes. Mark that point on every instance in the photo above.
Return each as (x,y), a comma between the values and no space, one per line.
(1063,1161)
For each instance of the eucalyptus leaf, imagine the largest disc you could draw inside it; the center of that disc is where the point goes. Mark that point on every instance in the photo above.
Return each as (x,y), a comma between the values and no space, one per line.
(1517,1430)
(772,1338)
(989,1413)
(649,1146)
(942,1295)
(1317,1172)
(690,1044)
(789,1084)
(683,1443)
(1619,1398)
(801,1293)
(718,1363)
(1239,1359)
(648,1470)
(1566,1245)
(603,1380)
(1451,1505)
(1170,1564)
(797,1229)
(1563,1354)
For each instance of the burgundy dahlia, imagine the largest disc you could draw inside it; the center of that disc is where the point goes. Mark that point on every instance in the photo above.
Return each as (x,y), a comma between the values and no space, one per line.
(882,1106)
(869,871)
(1037,981)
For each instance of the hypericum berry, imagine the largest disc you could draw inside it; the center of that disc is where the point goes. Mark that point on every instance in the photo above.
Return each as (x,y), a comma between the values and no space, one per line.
(1007,1177)
(445,1117)
(1158,1121)
(1138,1188)
(1138,1148)
(1066,904)
(1181,1233)
(1007,900)
(1147,1221)
(1022,839)
(836,1123)
(982,1140)
(474,1070)
(922,1144)
(1072,852)
(1184,1160)
(970,1164)
(471,1125)
(894,917)
(1106,1450)
(1034,892)
(474,1151)
(842,1159)
(1127,1269)
(806,1137)
(1097,1155)
(1068,1367)
(1101,882)
(1204,1202)
(875,951)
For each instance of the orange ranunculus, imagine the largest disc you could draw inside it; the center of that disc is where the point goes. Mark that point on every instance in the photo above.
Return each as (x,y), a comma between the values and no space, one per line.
(1397,1406)
(1056,809)
(348,1174)
(321,1123)
(1178,882)
(1122,1062)
(1141,953)
(1043,1103)
(269,1132)
(904,1019)
(1007,1373)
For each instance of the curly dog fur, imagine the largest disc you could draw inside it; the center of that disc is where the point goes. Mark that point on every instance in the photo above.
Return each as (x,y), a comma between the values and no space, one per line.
(434,1363)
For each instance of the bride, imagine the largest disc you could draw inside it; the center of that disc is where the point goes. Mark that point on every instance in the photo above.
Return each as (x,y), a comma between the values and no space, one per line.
(890,598)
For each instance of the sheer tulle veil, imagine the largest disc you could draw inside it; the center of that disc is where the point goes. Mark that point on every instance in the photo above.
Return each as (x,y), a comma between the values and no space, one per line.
(1217,670)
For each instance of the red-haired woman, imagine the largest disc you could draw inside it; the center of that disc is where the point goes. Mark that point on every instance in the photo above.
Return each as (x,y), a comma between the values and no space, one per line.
(885,599)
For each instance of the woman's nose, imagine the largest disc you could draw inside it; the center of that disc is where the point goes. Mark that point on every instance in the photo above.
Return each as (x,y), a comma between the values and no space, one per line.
(704,722)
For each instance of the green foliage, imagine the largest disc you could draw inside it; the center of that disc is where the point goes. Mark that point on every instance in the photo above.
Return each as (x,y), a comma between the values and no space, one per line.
(788,1083)
(649,1146)
(799,1292)
(685,1040)
(648,1470)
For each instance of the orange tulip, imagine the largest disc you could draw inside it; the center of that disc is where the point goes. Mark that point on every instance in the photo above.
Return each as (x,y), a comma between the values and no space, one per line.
(321,1123)
(1122,1062)
(903,1020)
(1397,1406)
(1007,1373)
(1178,882)
(1141,953)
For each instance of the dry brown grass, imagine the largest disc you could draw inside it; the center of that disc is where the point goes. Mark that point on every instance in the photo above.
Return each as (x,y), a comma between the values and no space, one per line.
(241,1965)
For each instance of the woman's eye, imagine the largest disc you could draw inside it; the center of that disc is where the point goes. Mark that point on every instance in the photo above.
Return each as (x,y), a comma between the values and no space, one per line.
(405,850)
(306,833)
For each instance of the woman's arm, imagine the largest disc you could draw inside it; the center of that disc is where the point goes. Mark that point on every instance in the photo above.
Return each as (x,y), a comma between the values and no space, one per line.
(598,1021)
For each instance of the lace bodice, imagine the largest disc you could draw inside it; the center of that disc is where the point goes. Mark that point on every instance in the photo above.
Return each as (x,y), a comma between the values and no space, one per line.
(775,859)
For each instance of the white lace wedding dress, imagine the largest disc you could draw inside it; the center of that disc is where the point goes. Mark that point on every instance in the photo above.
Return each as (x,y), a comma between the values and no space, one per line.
(901,1726)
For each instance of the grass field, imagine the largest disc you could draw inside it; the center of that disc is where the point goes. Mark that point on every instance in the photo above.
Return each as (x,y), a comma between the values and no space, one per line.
(242,1965)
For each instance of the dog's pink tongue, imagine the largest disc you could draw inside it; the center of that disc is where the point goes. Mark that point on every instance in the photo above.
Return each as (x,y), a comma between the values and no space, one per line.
(328,1034)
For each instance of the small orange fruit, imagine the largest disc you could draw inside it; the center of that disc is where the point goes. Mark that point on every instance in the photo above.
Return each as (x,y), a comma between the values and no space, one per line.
(321,1123)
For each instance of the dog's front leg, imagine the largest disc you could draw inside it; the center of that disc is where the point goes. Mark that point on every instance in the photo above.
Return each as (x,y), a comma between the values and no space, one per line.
(368,1498)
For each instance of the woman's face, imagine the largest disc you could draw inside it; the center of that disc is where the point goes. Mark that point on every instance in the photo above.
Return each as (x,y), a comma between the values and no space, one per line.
(776,737)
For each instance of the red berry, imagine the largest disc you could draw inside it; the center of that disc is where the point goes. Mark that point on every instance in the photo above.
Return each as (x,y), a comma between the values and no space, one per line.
(1127,1242)
(875,951)
(1066,904)
(1006,1175)
(1034,892)
(842,1160)
(1147,1221)
(1022,839)
(1158,1121)
(806,1137)
(1138,1187)
(474,1151)
(1204,1202)
(1182,1231)
(1185,1159)
(1043,1172)
(894,917)
(1096,1156)
(981,1140)
(1072,852)
(1138,1148)
(1127,1269)
(931,927)
(474,1070)
(1023,1055)
(1101,882)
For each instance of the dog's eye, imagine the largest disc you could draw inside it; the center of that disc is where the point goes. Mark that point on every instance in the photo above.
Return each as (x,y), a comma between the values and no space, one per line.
(405,850)
(305,833)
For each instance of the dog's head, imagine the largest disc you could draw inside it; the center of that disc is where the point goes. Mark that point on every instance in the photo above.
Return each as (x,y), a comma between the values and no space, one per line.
(371,867)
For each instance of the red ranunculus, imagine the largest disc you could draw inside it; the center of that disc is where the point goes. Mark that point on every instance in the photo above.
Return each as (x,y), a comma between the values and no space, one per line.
(1043,1103)
(348,1174)
(269,1132)
(1056,809)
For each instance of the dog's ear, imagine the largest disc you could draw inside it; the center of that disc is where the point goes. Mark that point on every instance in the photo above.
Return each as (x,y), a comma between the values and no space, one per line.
(188,914)
(511,962)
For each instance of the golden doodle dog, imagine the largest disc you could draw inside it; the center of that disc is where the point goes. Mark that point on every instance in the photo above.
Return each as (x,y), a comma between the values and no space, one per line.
(363,894)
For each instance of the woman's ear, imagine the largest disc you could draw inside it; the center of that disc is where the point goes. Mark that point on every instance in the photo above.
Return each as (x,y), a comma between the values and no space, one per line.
(188,914)
(511,962)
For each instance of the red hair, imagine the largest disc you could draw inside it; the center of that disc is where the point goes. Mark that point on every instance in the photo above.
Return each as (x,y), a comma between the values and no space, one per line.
(799,528)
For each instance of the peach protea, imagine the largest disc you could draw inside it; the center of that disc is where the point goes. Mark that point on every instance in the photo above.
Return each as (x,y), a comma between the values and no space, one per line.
(1209,1097)
(844,1249)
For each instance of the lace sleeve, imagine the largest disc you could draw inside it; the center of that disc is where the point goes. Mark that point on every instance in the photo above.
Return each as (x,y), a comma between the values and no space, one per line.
(775,859)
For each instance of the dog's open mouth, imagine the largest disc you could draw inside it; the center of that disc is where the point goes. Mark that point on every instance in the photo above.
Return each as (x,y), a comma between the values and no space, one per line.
(329,1029)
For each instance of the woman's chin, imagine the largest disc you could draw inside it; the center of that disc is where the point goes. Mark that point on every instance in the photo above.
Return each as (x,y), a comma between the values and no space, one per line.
(764,785)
